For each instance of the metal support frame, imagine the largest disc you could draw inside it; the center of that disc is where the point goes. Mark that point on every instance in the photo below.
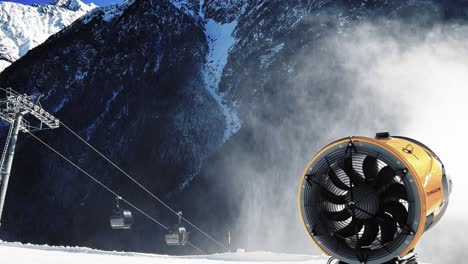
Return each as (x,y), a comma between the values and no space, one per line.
(179,215)
(13,108)
(410,258)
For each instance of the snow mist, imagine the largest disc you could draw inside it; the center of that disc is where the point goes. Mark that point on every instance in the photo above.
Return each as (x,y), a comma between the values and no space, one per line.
(408,79)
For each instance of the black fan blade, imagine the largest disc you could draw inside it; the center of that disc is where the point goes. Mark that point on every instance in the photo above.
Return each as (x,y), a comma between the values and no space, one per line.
(371,230)
(388,227)
(338,216)
(395,192)
(398,211)
(370,168)
(386,176)
(331,197)
(353,228)
(341,240)
(347,167)
(336,181)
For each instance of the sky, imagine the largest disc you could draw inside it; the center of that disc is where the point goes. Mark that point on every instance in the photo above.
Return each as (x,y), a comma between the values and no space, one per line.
(97,2)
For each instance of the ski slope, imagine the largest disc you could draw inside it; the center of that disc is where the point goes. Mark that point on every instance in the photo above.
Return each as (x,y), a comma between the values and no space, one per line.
(14,253)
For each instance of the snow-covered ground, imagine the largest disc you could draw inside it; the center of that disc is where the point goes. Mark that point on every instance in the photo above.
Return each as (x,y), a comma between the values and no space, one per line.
(14,253)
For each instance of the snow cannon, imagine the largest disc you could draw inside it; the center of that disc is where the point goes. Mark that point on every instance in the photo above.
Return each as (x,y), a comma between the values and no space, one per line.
(369,200)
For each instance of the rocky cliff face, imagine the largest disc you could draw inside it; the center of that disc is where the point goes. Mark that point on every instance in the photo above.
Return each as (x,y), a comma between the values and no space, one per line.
(24,27)
(130,79)
(203,101)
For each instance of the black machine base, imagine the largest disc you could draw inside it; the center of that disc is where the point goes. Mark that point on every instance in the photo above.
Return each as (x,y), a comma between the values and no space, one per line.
(408,259)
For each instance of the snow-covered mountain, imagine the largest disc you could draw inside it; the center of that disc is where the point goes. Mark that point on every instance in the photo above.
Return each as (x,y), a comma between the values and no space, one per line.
(23,27)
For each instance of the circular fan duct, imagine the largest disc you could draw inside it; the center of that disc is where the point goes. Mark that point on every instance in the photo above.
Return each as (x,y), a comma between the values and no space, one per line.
(365,200)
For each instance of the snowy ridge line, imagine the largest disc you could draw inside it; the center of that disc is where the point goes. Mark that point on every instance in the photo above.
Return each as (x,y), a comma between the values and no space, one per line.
(107,13)
(17,36)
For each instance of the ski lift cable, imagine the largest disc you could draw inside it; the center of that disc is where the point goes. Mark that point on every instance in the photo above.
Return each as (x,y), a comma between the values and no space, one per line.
(107,188)
(126,174)
(142,187)
(195,247)
(98,182)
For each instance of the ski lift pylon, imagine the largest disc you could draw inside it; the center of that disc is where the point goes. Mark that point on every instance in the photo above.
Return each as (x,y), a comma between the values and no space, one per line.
(121,218)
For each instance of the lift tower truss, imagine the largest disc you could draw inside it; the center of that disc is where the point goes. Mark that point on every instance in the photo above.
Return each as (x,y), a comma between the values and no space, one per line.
(13,109)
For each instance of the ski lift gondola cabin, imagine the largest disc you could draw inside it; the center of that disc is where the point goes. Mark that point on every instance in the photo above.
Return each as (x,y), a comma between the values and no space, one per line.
(177,236)
(121,218)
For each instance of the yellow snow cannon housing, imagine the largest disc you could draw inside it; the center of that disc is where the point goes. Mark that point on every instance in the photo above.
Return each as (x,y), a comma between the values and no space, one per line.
(369,200)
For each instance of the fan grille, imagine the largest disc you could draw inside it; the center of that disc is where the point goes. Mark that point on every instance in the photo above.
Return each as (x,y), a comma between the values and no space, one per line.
(358,202)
